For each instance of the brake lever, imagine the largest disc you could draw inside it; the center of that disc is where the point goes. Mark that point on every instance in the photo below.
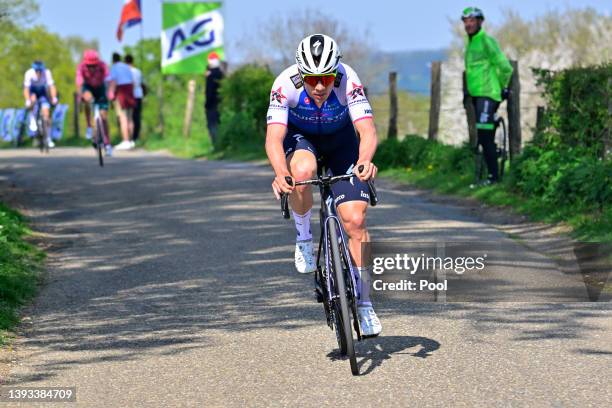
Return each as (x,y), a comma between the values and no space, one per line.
(285,200)
(373,195)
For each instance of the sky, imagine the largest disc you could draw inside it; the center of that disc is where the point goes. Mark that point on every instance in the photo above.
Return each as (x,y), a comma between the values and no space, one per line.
(394,25)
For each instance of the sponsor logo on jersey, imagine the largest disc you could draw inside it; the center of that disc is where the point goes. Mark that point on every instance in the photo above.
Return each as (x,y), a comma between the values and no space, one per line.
(277,95)
(340,197)
(297,81)
(356,92)
(338,80)
(367,111)
(365,195)
(307,100)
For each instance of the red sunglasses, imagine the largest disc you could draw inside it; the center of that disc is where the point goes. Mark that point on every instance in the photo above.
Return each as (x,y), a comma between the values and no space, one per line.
(326,80)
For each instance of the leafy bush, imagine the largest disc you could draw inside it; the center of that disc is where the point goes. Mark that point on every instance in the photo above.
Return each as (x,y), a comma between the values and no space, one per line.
(564,177)
(419,153)
(244,103)
(576,114)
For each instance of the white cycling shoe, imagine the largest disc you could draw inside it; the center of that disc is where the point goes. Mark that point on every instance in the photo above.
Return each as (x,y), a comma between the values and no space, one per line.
(304,257)
(368,321)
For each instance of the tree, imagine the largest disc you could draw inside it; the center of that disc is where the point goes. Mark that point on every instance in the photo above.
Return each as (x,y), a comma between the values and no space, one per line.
(274,45)
(16,11)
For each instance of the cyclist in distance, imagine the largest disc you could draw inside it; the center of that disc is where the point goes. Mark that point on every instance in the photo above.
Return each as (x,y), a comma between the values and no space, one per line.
(90,76)
(318,110)
(487,75)
(39,87)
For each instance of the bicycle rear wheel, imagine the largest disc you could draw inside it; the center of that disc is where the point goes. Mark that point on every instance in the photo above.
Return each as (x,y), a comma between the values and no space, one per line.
(501,138)
(344,331)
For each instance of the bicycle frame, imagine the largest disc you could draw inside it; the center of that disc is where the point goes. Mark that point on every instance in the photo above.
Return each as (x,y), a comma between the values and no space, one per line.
(329,219)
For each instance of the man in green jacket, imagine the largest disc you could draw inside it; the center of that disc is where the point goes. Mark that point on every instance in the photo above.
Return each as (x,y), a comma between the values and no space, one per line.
(487,75)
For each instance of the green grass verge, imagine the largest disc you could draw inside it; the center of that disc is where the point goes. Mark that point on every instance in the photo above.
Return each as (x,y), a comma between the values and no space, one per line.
(591,227)
(20,266)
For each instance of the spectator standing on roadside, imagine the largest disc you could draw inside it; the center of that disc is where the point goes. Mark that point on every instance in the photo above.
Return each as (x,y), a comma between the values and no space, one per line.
(121,90)
(487,76)
(214,75)
(138,95)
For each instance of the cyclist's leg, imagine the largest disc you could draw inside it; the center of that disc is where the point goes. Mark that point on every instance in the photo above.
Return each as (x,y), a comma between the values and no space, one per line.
(302,164)
(87,97)
(485,128)
(351,196)
(102,101)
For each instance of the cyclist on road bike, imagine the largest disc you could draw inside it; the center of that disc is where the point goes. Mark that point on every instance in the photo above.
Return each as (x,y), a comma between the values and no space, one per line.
(318,110)
(39,88)
(90,76)
(487,74)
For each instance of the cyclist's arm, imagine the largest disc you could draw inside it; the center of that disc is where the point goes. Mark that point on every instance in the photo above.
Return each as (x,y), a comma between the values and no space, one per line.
(499,61)
(274,148)
(368,140)
(51,86)
(26,86)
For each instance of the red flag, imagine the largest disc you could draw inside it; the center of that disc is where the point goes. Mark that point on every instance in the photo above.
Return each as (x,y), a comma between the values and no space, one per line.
(131,14)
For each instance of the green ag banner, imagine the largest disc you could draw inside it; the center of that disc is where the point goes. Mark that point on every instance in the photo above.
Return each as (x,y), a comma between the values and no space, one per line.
(191,30)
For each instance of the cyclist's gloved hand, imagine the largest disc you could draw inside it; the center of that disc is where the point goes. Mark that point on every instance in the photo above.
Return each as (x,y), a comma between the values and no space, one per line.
(28,103)
(54,101)
(505,94)
(365,170)
(280,185)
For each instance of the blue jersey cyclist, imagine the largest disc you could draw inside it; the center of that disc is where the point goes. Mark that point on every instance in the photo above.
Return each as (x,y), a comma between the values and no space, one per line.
(318,110)
(39,87)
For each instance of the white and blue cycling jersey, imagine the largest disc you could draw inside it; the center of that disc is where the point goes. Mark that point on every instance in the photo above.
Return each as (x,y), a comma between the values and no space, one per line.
(290,105)
(38,85)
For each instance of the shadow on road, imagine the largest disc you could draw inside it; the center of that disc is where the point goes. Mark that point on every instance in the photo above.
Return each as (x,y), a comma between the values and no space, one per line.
(371,353)
(154,255)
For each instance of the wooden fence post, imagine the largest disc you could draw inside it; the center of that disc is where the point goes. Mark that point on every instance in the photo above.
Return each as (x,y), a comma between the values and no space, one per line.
(514,112)
(470,112)
(392,131)
(160,113)
(75,115)
(435,100)
(189,109)
(607,137)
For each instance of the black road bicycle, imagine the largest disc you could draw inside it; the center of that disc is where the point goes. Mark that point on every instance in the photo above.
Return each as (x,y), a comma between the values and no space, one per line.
(501,153)
(99,137)
(335,284)
(42,130)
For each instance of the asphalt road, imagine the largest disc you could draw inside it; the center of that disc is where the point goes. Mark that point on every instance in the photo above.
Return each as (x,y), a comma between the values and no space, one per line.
(170,283)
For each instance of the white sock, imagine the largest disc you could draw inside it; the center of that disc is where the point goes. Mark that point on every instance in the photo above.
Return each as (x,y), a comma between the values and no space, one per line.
(302,225)
(364,286)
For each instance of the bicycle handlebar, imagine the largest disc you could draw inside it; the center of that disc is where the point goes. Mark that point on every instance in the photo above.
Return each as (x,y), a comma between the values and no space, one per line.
(325,180)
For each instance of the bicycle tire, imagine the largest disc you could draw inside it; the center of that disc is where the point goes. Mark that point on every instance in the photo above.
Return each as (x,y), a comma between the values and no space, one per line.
(43,142)
(503,149)
(99,143)
(343,329)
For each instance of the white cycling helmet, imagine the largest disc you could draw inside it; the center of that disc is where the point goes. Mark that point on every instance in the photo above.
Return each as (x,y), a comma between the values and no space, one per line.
(317,54)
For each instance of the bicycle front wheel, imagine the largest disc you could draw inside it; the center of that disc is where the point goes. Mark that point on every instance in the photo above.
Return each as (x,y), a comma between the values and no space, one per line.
(344,331)
(100,142)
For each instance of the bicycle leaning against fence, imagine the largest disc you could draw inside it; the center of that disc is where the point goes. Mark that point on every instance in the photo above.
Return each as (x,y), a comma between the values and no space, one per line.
(481,175)
(335,284)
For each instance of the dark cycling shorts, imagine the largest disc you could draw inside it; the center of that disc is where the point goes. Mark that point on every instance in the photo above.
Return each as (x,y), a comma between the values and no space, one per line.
(485,112)
(338,152)
(99,95)
(41,95)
